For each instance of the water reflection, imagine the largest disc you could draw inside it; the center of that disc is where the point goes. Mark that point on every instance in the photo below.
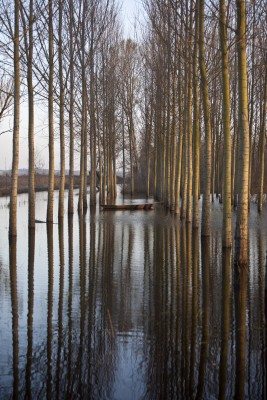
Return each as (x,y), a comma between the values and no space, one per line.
(15,313)
(50,252)
(69,306)
(205,256)
(31,249)
(241,278)
(225,321)
(195,272)
(132,305)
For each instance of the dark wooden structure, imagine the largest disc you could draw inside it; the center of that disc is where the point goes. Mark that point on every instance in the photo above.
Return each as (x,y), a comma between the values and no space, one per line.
(141,206)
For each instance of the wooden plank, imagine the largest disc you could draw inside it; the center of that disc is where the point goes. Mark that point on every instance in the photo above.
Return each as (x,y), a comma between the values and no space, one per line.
(142,206)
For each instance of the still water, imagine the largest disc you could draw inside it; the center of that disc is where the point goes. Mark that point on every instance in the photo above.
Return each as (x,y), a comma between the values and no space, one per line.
(129,305)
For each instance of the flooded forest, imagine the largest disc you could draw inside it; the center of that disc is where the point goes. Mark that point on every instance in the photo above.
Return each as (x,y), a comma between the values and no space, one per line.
(133,257)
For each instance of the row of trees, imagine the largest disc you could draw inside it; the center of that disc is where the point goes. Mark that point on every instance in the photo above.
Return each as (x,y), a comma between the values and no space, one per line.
(185,108)
(207,68)
(70,57)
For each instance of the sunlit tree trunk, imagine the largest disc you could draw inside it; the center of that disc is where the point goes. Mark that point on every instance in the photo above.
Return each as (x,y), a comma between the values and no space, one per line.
(189,119)
(174,142)
(196,130)
(168,126)
(184,169)
(180,145)
(241,233)
(236,137)
(251,100)
(227,230)
(205,228)
(16,126)
(50,201)
(61,118)
(262,141)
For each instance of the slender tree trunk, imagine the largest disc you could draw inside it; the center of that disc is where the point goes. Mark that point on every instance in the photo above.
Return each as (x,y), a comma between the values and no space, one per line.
(184,178)
(16,126)
(241,233)
(85,162)
(92,120)
(180,146)
(189,119)
(251,102)
(50,202)
(61,119)
(196,131)
(71,115)
(123,155)
(28,44)
(227,230)
(262,141)
(83,127)
(82,147)
(114,174)
(31,210)
(174,142)
(168,140)
(205,229)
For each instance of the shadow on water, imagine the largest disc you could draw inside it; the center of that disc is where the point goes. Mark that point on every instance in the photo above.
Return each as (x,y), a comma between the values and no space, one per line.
(132,305)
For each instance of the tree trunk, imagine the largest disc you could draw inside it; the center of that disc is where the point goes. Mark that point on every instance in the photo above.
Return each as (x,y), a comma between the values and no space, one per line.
(16,126)
(61,119)
(174,143)
(227,226)
(180,146)
(92,123)
(205,229)
(196,130)
(241,233)
(262,141)
(189,119)
(50,202)
(84,103)
(71,115)
(28,44)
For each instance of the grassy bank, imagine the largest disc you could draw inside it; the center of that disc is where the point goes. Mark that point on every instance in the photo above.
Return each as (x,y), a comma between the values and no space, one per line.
(41,183)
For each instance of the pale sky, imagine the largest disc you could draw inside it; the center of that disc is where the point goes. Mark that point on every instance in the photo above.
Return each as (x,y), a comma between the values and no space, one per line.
(129,10)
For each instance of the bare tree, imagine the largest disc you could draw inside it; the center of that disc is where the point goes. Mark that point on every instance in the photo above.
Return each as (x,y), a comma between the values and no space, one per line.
(16,126)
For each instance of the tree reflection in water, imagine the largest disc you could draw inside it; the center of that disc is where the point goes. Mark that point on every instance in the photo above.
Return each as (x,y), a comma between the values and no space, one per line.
(136,307)
(31,249)
(15,313)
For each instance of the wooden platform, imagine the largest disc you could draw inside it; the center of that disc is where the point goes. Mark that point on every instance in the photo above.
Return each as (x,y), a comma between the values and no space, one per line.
(141,206)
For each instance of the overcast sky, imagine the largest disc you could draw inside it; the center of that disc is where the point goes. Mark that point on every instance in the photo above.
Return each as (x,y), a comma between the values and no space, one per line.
(129,10)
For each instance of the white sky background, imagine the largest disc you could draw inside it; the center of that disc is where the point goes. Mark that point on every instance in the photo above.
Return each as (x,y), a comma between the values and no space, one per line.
(129,10)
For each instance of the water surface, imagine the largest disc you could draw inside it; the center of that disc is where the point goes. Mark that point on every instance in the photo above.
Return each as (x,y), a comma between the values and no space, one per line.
(129,305)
